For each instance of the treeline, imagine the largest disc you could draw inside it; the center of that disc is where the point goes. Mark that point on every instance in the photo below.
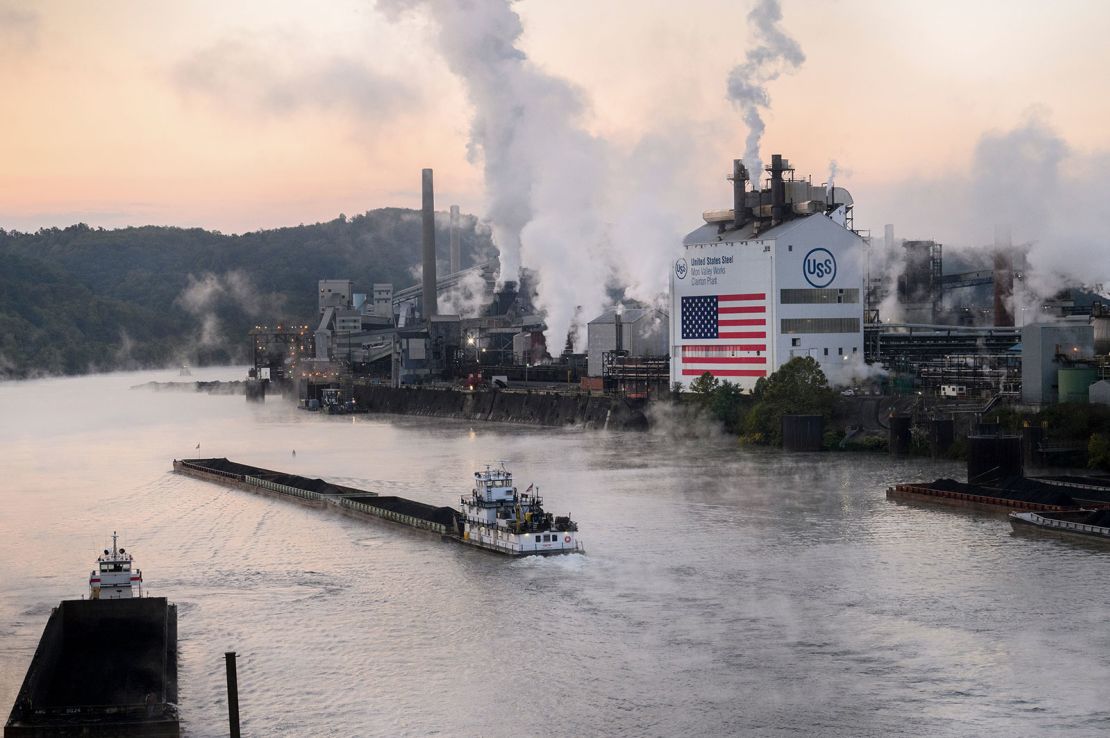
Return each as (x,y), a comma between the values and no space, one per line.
(798,387)
(81,299)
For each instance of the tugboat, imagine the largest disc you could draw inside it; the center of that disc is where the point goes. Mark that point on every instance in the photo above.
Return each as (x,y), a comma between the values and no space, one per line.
(498,517)
(114,579)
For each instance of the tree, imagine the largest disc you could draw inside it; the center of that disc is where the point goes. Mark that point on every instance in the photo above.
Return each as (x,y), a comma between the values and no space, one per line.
(704,387)
(1098,452)
(798,387)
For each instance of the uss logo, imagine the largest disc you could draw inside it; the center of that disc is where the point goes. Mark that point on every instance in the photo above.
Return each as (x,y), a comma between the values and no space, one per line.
(819,267)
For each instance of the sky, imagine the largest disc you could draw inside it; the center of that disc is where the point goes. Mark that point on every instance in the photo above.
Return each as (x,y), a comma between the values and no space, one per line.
(248,115)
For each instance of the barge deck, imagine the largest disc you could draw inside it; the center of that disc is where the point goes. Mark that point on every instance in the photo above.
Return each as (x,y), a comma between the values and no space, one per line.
(104,667)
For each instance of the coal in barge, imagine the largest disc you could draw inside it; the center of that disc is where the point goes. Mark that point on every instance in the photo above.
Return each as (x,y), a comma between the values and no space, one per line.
(105,666)
(495,516)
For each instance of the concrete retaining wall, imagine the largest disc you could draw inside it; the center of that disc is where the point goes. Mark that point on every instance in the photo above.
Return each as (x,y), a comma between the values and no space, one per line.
(536,408)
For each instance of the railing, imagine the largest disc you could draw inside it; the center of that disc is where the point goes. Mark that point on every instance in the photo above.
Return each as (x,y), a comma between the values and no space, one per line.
(282,488)
(378,512)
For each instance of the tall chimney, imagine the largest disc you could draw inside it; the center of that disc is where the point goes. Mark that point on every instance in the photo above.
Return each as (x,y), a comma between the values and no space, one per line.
(739,190)
(429,213)
(455,263)
(888,237)
(1003,276)
(778,190)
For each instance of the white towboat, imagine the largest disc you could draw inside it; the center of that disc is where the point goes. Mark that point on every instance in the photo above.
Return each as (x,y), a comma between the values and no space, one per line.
(115,577)
(498,517)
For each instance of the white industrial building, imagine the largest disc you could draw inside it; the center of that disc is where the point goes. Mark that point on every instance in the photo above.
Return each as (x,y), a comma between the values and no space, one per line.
(750,292)
(643,333)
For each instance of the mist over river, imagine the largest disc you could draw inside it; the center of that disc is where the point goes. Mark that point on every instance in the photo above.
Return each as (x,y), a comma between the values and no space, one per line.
(725,592)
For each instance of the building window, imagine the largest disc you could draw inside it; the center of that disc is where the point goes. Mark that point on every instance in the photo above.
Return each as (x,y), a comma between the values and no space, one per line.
(855,349)
(820,325)
(827,296)
(840,352)
(826,352)
(795,342)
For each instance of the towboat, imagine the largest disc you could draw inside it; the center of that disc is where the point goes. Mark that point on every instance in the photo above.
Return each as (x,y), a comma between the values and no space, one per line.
(498,517)
(115,577)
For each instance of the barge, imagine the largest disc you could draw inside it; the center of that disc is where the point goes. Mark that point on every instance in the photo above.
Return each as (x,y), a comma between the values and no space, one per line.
(1090,524)
(1018,494)
(495,516)
(105,666)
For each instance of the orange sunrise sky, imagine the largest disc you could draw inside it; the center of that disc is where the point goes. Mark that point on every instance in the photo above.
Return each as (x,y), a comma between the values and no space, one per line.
(247,115)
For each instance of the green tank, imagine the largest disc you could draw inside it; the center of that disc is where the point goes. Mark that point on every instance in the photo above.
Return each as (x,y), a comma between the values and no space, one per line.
(1074,381)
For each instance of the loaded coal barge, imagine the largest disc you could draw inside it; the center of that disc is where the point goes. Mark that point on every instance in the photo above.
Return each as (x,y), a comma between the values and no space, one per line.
(105,666)
(495,516)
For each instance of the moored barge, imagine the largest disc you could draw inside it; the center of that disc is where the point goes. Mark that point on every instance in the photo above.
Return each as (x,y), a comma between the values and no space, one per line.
(1089,524)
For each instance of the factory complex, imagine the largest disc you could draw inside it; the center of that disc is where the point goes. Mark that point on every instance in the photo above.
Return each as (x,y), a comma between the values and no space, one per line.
(783,273)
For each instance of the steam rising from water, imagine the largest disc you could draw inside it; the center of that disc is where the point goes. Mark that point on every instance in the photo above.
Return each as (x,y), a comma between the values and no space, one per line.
(776,53)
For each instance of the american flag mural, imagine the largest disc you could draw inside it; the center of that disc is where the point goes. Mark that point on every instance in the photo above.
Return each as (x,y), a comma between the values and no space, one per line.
(731,331)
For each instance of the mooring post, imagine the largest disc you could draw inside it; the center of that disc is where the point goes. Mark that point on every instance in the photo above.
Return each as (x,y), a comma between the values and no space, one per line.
(232,694)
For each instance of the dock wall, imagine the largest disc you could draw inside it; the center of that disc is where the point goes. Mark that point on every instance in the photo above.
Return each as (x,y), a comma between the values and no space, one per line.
(530,408)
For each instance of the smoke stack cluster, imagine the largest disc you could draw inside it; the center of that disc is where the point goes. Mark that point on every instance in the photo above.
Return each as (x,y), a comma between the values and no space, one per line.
(429,233)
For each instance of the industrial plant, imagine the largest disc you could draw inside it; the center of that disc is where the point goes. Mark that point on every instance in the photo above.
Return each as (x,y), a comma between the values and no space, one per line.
(783,273)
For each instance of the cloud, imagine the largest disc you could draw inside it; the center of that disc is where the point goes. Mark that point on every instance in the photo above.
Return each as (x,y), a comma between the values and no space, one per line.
(251,76)
(19,27)
(1028,178)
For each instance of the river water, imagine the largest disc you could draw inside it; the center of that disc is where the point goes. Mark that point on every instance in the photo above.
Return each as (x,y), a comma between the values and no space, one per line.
(725,592)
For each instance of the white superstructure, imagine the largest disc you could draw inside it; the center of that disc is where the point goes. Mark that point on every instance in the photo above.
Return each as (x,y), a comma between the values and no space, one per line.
(115,577)
(498,517)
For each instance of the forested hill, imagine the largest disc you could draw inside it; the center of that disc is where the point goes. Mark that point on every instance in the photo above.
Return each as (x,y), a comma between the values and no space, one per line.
(84,299)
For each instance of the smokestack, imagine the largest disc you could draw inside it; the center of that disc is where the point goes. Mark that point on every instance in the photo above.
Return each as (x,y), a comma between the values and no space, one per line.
(429,302)
(1003,276)
(778,190)
(618,325)
(888,237)
(455,265)
(739,187)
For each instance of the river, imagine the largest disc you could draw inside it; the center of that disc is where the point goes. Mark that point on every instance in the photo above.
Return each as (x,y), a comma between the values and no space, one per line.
(725,592)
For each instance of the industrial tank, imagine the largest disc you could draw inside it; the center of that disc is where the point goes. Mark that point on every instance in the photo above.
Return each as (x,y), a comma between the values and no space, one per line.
(1074,383)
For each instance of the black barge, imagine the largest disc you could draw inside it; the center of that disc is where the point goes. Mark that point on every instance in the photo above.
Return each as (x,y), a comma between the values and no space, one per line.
(102,668)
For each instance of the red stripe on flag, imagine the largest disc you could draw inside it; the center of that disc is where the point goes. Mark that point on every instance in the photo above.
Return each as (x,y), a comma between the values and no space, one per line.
(726,372)
(748,296)
(743,321)
(724,360)
(750,334)
(719,347)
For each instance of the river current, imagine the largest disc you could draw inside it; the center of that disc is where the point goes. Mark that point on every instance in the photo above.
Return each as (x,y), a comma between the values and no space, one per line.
(726,591)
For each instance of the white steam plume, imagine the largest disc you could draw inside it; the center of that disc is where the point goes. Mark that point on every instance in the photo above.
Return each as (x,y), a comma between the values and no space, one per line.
(544,174)
(776,53)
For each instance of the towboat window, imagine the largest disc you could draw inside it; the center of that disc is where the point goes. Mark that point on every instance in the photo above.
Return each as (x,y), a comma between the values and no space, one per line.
(127,567)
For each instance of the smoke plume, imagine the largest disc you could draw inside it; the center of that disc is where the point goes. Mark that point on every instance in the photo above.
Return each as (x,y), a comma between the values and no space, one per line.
(544,174)
(775,53)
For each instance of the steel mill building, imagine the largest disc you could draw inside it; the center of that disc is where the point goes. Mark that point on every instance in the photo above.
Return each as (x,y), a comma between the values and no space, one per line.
(779,275)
